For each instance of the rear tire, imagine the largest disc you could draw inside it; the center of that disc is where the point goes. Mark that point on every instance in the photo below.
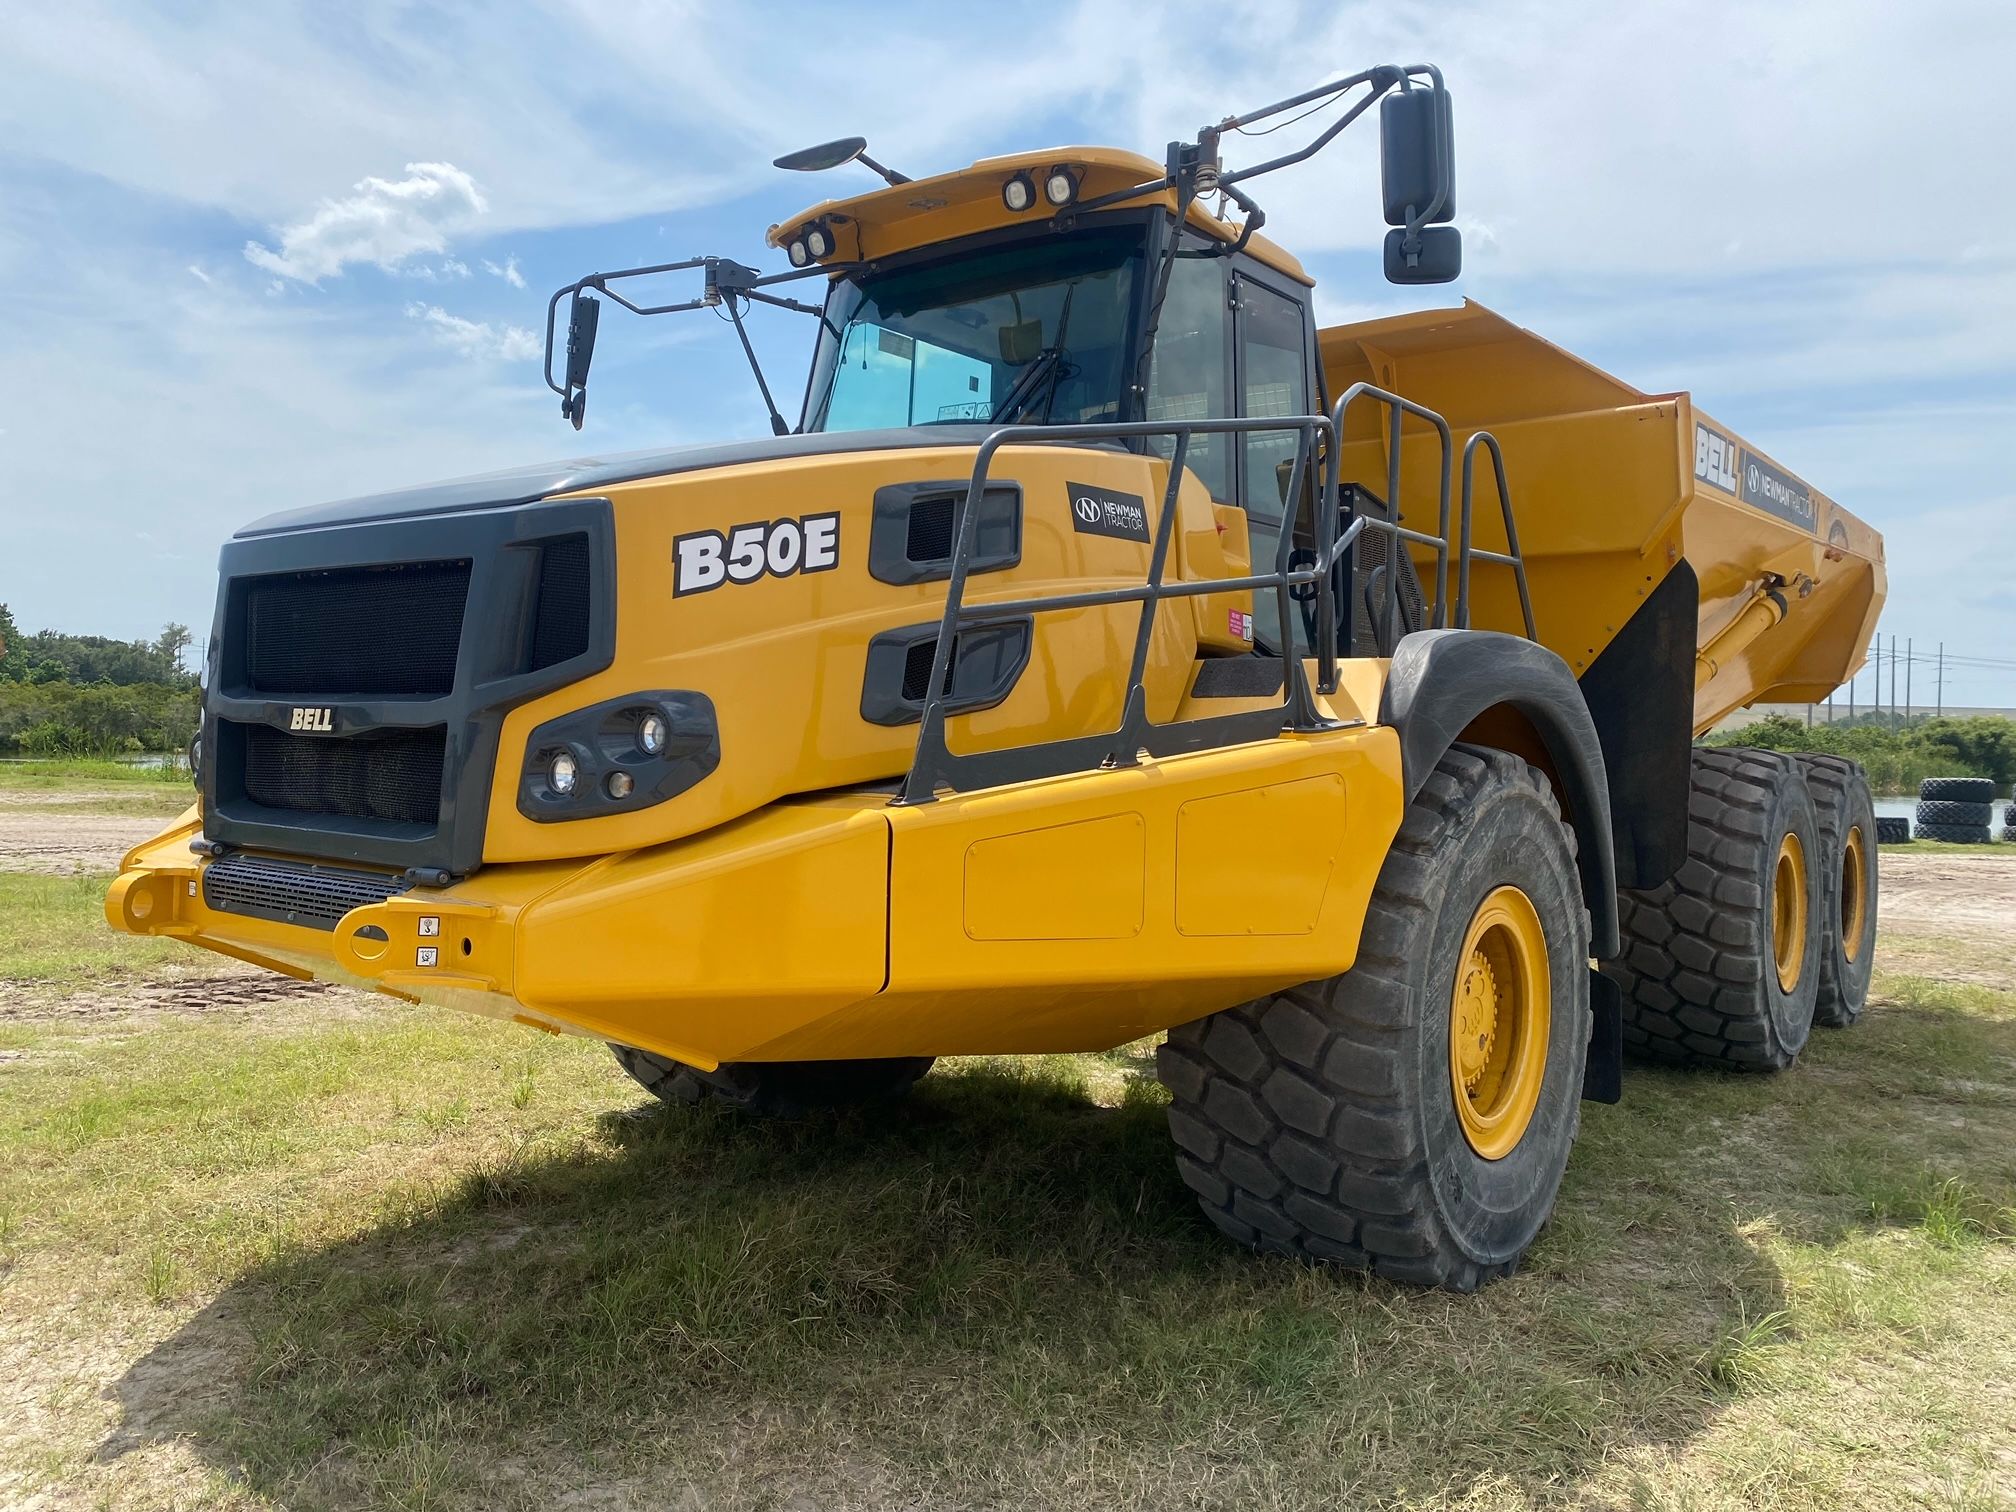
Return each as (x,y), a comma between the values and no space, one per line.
(1956,834)
(1720,965)
(1847,817)
(1957,789)
(776,1089)
(1324,1122)
(1954,815)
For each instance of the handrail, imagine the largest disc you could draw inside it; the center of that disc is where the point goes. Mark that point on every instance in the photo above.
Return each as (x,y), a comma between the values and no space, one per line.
(934,761)
(1466,552)
(1398,408)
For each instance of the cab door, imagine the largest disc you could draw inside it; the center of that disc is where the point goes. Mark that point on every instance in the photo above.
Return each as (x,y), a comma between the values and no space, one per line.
(1272,374)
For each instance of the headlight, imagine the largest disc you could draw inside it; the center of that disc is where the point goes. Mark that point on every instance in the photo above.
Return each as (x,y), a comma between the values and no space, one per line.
(1019,193)
(1060,186)
(818,241)
(797,253)
(618,756)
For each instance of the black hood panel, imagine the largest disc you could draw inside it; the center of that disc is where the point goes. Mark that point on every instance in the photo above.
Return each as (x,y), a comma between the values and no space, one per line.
(521,485)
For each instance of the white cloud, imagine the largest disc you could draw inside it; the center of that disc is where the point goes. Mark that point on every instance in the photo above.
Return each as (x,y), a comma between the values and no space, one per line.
(476,338)
(382,221)
(509,272)
(198,274)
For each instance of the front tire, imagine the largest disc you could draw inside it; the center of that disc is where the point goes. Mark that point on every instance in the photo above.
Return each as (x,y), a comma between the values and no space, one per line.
(1412,1116)
(775,1089)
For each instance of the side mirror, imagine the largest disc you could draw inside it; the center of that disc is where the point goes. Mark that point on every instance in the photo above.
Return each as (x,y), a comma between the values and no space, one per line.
(1436,256)
(825,155)
(1417,158)
(582,317)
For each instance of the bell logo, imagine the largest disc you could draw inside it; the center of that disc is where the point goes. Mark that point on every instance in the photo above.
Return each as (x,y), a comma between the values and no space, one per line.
(318,721)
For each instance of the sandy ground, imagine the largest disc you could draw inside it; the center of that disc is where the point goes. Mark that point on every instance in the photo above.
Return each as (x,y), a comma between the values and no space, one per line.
(51,838)
(1949,894)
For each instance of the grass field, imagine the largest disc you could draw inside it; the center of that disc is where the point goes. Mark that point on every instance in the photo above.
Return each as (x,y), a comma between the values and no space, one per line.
(331,1251)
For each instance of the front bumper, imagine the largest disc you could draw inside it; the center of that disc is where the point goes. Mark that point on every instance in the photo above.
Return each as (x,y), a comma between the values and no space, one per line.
(1073,913)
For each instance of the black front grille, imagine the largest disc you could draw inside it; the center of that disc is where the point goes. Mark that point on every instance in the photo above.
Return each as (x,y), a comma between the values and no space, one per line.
(392,774)
(293,892)
(384,631)
(560,613)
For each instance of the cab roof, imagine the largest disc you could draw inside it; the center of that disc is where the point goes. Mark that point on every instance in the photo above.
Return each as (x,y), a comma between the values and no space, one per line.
(967,200)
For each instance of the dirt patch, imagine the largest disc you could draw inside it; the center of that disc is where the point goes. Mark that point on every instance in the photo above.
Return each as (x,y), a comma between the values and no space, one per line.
(55,843)
(1967,896)
(235,989)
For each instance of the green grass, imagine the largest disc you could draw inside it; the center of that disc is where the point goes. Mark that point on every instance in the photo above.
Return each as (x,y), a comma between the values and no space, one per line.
(53,930)
(57,772)
(417,1260)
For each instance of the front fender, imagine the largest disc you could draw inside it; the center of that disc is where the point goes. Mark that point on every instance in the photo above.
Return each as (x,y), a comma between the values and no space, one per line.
(1441,681)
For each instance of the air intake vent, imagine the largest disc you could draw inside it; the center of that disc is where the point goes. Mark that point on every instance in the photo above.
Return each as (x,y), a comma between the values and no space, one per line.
(391,775)
(374,631)
(985,663)
(560,615)
(915,525)
(292,892)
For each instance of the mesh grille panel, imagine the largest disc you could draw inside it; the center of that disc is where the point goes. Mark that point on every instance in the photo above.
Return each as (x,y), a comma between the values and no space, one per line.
(560,618)
(930,538)
(357,630)
(394,775)
(917,668)
(317,896)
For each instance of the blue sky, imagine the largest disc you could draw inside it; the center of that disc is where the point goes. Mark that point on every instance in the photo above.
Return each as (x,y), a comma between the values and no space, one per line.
(262,256)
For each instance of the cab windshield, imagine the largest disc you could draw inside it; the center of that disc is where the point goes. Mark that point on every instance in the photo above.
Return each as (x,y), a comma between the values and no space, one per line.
(1038,331)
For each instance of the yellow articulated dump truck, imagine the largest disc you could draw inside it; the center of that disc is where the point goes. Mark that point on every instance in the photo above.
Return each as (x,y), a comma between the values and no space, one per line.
(1106,651)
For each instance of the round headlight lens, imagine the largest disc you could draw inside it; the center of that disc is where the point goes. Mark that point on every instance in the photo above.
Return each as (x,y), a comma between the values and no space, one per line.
(1059,187)
(818,241)
(561,773)
(1019,193)
(651,734)
(798,255)
(618,784)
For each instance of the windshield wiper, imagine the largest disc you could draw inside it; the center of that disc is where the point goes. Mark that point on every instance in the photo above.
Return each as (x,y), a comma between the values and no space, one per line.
(1040,367)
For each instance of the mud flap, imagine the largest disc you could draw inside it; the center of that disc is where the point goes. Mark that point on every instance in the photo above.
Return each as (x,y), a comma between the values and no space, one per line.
(1603,1076)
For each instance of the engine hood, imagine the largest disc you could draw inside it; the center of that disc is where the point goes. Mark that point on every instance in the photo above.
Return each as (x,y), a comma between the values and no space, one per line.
(522,485)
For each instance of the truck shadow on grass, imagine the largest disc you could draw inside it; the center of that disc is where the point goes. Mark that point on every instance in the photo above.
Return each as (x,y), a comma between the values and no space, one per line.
(999,1292)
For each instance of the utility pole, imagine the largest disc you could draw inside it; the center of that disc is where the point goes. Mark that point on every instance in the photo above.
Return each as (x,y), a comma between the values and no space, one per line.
(1893,682)
(1940,694)
(1907,679)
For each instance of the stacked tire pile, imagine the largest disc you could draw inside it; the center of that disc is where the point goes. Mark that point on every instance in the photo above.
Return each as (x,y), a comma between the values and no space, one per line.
(1958,810)
(1895,831)
(2009,821)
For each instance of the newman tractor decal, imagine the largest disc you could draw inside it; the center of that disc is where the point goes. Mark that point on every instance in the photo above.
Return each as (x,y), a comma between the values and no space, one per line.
(1721,463)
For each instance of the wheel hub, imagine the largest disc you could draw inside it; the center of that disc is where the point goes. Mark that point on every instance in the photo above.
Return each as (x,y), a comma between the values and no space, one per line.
(1499,1009)
(1788,912)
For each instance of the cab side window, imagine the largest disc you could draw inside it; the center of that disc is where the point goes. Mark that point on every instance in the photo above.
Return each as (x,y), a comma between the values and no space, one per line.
(1273,370)
(1191,376)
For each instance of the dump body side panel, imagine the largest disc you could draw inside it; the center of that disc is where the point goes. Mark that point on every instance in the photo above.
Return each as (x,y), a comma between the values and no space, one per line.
(1611,488)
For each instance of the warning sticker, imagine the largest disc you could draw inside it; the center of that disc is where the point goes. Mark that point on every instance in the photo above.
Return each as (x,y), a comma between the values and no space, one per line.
(1240,623)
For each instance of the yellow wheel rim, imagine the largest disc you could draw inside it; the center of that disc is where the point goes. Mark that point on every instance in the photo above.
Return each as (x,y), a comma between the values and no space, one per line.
(1854,892)
(1788,911)
(1498,1021)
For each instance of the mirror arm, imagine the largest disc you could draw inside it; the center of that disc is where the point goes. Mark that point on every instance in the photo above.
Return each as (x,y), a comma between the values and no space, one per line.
(777,425)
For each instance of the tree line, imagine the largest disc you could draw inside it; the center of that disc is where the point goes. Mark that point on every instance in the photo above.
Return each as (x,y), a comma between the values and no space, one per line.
(1896,758)
(90,695)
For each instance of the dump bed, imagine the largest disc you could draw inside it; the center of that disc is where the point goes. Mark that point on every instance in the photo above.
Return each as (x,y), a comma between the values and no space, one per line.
(1613,489)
